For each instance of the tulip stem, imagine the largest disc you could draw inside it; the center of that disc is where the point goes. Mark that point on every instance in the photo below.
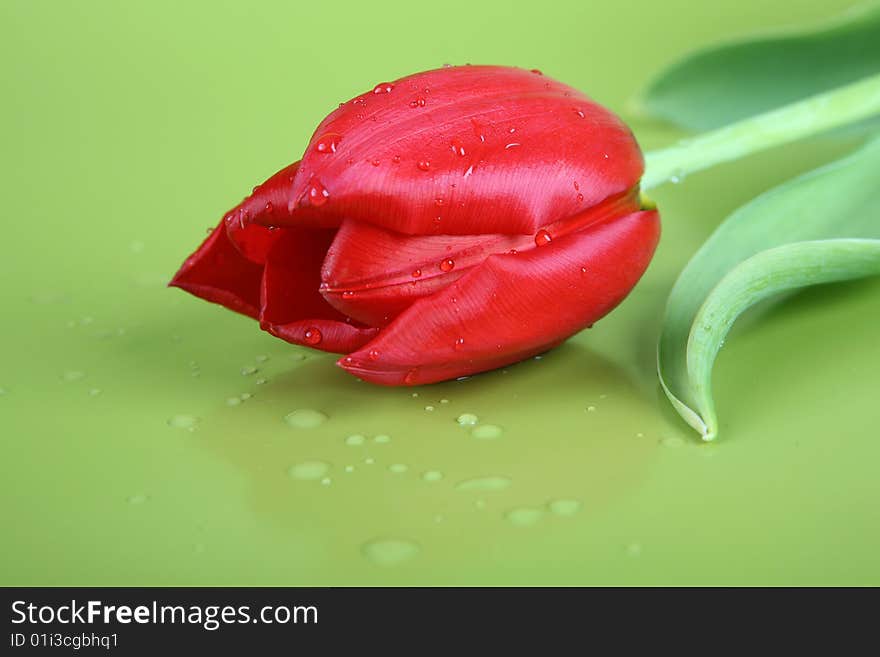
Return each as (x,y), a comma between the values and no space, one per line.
(844,105)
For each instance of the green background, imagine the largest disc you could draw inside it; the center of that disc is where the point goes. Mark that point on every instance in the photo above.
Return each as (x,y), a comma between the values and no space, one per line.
(128,128)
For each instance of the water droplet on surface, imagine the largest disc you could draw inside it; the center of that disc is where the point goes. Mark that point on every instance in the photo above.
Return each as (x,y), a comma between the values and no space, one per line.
(459,344)
(591,409)
(542,238)
(375,163)
(326,481)
(579,113)
(467,419)
(458,148)
(245,396)
(312,335)
(389,551)
(318,194)
(349,468)
(484,484)
(248,370)
(261,358)
(395,159)
(373,354)
(382,439)
(418,102)
(233,401)
(536,71)
(182,421)
(429,408)
(672,441)
(409,379)
(305,418)
(261,382)
(416,273)
(524,516)
(93,392)
(73,375)
(633,550)
(432,476)
(512,144)
(580,198)
(269,207)
(328,143)
(487,431)
(355,440)
(309,470)
(447,265)
(564,507)
(383,88)
(369,460)
(398,468)
(444,401)
(424,165)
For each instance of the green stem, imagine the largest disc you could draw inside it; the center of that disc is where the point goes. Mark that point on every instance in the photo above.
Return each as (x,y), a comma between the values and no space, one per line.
(832,109)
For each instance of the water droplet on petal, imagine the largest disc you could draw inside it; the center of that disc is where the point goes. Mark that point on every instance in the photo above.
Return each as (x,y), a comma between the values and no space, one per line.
(318,194)
(416,273)
(396,159)
(424,165)
(375,163)
(580,198)
(374,354)
(513,144)
(418,102)
(458,148)
(312,335)
(580,113)
(459,343)
(536,71)
(447,265)
(328,143)
(543,238)
(383,88)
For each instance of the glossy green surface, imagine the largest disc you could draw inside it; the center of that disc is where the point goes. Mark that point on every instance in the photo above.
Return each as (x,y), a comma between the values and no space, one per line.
(127,131)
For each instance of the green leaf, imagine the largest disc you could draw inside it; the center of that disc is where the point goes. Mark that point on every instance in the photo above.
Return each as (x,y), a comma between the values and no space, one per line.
(726,83)
(821,227)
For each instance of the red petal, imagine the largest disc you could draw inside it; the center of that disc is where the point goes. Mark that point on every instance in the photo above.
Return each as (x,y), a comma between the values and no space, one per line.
(463,150)
(373,274)
(217,272)
(512,306)
(292,307)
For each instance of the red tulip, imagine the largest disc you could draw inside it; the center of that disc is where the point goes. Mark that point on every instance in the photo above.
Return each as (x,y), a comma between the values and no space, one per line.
(448,223)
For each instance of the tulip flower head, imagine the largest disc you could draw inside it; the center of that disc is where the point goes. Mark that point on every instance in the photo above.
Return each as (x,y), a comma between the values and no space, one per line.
(448,223)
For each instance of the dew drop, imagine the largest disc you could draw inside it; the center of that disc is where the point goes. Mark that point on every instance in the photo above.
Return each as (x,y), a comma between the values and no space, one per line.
(564,507)
(233,401)
(261,382)
(312,335)
(432,475)
(355,440)
(375,163)
(487,431)
(382,439)
(512,144)
(326,481)
(248,370)
(484,484)
(318,194)
(444,401)
(672,441)
(93,392)
(305,418)
(591,409)
(424,165)
(416,273)
(389,551)
(467,419)
(269,207)
(447,265)
(398,468)
(349,468)
(543,238)
(523,516)
(328,143)
(261,358)
(459,344)
(429,408)
(458,148)
(182,421)
(580,198)
(309,470)
(348,294)
(580,113)
(383,88)
(73,375)
(396,159)
(373,354)
(409,379)
(418,102)
(536,71)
